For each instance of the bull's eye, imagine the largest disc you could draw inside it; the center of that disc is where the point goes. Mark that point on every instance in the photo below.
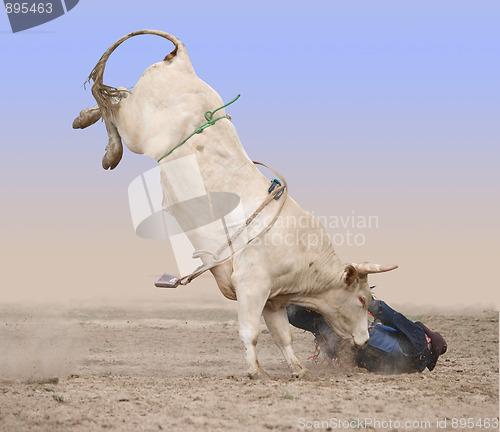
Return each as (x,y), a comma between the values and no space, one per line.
(362,301)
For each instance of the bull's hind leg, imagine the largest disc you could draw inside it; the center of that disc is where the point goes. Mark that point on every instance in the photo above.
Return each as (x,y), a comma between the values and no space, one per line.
(279,327)
(251,301)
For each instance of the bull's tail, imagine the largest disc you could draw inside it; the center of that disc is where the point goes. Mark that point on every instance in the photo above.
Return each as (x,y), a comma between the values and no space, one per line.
(102,93)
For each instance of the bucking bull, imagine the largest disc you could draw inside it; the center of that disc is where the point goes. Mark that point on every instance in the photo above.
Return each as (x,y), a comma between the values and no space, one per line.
(166,105)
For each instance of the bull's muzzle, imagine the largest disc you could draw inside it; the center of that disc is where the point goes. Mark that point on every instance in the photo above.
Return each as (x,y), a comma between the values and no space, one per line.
(361,342)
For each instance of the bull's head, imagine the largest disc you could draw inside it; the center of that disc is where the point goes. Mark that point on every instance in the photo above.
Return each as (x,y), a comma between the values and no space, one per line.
(350,320)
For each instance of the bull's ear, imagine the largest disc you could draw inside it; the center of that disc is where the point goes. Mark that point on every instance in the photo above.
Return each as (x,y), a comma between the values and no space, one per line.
(350,274)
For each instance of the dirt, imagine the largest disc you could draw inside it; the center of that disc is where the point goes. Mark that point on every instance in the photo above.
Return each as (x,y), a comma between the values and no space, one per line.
(143,367)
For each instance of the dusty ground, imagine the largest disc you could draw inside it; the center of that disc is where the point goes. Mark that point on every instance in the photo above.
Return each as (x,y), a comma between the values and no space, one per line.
(155,367)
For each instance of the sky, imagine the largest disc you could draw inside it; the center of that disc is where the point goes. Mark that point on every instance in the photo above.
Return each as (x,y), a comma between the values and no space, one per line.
(380,109)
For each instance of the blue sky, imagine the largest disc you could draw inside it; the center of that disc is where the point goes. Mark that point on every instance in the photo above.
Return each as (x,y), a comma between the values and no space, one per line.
(412,77)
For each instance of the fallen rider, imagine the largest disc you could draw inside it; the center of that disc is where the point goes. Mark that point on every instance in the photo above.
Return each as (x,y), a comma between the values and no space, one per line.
(396,345)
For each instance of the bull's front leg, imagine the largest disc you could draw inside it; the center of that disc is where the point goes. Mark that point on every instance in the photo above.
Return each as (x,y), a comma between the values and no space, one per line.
(279,327)
(251,301)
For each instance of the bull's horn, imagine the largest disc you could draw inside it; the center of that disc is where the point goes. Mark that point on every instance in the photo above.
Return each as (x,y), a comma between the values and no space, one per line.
(103,93)
(365,268)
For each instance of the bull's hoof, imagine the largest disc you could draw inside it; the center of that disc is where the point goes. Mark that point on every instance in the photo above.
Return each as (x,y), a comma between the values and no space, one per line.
(302,374)
(260,374)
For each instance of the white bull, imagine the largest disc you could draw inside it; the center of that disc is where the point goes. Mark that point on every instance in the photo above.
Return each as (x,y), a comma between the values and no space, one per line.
(166,105)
